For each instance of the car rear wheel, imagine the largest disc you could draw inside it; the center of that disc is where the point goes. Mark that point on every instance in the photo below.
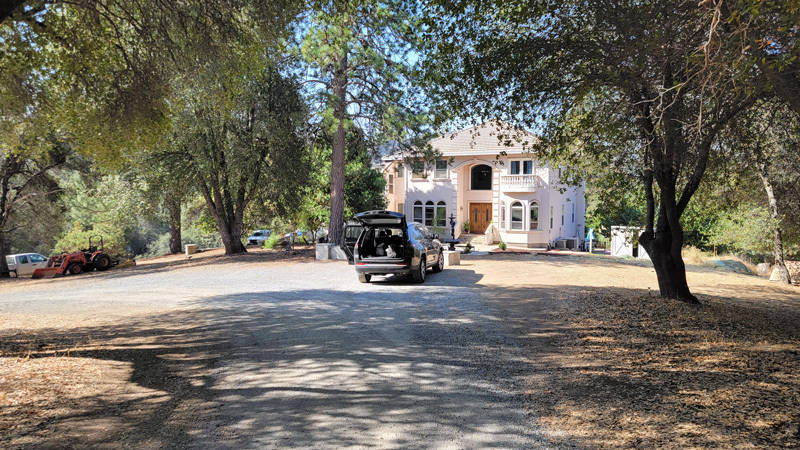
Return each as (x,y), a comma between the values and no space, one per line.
(419,274)
(439,263)
(364,277)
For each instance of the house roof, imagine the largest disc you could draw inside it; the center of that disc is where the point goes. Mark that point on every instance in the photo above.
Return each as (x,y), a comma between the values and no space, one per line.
(488,138)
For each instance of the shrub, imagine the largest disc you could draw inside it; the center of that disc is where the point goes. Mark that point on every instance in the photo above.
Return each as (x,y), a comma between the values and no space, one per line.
(159,247)
(468,248)
(273,240)
(201,237)
(466,226)
(78,239)
(502,245)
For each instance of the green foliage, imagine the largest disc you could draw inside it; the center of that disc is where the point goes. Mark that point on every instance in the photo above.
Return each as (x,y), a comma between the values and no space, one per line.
(502,245)
(77,238)
(747,228)
(364,185)
(237,136)
(607,208)
(372,44)
(203,237)
(466,226)
(273,240)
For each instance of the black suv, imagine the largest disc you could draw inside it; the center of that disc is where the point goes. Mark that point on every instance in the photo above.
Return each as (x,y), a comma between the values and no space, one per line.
(388,244)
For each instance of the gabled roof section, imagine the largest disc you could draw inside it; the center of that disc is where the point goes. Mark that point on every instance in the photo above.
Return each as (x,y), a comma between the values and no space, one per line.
(488,138)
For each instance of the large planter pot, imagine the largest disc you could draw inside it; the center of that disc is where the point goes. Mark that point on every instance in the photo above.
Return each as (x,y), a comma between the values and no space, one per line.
(327,251)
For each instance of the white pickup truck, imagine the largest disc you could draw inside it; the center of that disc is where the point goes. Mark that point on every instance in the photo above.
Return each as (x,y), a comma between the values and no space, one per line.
(25,263)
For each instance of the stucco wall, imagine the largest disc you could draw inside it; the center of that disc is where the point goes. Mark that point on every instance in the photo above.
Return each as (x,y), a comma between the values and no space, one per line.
(456,193)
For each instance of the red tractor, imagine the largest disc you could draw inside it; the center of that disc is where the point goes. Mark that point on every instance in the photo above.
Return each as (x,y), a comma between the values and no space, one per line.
(86,260)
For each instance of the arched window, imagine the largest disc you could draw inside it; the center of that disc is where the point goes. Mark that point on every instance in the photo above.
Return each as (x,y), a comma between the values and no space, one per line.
(516,216)
(481,178)
(418,211)
(441,214)
(429,213)
(502,215)
(534,224)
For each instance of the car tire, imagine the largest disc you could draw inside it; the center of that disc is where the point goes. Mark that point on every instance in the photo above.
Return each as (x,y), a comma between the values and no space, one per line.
(364,277)
(439,263)
(75,269)
(419,275)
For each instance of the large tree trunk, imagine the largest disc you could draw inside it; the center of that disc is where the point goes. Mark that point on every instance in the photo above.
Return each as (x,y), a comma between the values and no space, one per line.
(664,242)
(3,252)
(779,272)
(230,229)
(665,253)
(232,241)
(229,219)
(174,210)
(339,147)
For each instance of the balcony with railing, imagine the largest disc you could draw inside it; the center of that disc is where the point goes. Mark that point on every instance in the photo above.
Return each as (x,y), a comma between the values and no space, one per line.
(521,183)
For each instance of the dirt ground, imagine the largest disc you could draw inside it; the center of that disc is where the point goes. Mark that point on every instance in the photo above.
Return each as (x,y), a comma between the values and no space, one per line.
(606,362)
(617,366)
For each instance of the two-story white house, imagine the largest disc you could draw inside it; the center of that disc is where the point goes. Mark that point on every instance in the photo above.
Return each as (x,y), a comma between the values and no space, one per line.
(488,186)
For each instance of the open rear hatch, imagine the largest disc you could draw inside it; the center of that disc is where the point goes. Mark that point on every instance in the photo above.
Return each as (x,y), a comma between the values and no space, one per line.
(382,241)
(381,217)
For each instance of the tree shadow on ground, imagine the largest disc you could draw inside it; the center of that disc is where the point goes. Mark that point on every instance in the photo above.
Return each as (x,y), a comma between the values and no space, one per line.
(445,363)
(400,365)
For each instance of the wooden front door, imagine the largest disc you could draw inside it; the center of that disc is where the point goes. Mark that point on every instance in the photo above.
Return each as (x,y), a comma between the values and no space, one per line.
(480,215)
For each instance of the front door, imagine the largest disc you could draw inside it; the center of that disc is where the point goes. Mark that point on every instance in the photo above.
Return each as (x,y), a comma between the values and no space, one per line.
(480,215)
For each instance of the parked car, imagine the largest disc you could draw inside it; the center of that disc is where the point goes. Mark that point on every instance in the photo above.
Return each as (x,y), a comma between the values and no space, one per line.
(258,237)
(388,244)
(25,263)
(300,237)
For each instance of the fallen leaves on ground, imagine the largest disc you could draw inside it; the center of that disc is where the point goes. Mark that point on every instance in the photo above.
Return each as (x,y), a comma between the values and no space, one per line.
(647,372)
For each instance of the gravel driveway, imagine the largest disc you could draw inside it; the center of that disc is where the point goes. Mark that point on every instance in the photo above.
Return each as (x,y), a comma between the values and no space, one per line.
(300,355)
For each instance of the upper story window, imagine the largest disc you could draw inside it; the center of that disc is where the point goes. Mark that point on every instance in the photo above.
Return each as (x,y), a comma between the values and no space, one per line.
(390,184)
(441,169)
(481,178)
(527,167)
(516,216)
(524,167)
(418,169)
(398,170)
